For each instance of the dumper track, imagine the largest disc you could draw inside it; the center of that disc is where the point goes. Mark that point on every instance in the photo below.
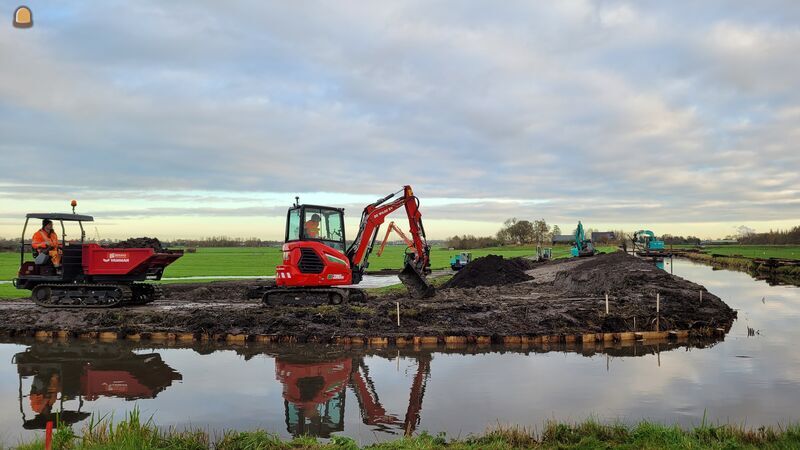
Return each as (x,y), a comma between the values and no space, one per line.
(311,296)
(144,293)
(81,295)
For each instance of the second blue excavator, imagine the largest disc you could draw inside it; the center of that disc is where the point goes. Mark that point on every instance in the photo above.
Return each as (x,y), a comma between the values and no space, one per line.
(582,246)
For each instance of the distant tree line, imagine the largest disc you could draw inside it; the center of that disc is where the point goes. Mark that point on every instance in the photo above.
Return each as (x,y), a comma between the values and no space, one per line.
(513,231)
(224,241)
(680,240)
(9,244)
(468,241)
(773,237)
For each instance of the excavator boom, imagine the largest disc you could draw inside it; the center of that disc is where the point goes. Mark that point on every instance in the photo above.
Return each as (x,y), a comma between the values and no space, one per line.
(417,261)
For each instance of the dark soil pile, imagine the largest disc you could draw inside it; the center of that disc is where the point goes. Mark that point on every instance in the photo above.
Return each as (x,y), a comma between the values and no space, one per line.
(633,284)
(140,242)
(491,270)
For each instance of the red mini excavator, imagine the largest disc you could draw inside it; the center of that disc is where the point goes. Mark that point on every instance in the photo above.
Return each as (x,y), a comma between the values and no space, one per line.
(317,265)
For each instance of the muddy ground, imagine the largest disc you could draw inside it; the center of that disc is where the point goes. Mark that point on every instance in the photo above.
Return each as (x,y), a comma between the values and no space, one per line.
(562,297)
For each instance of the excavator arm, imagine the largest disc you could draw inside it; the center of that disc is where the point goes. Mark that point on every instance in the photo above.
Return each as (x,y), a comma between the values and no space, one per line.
(417,261)
(389,229)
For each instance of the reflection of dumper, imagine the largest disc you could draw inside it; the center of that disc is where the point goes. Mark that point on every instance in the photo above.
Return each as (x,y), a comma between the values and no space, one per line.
(85,372)
(314,396)
(460,260)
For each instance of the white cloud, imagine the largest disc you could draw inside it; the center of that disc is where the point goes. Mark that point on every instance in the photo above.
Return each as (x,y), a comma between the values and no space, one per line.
(607,110)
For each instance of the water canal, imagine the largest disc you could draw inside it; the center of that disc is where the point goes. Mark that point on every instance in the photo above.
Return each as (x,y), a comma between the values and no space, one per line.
(752,377)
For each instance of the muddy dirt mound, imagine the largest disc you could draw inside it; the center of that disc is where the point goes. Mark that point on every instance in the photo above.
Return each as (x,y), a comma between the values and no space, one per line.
(613,273)
(491,270)
(140,242)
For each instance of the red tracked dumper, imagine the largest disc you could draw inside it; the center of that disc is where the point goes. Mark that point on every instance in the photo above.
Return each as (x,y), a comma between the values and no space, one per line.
(317,265)
(91,276)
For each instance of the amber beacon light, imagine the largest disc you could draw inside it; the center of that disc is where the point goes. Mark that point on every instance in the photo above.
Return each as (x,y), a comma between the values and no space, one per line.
(23,17)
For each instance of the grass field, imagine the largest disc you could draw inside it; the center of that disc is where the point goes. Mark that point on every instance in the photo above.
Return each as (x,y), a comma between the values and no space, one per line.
(232,261)
(135,433)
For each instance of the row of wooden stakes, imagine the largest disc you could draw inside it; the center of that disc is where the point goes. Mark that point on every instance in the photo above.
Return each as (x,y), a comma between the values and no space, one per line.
(585,338)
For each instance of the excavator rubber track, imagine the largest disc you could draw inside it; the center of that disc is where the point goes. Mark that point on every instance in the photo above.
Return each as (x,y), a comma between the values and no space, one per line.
(144,293)
(81,295)
(301,296)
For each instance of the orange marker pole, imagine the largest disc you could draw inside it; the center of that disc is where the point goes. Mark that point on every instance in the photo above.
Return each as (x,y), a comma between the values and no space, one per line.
(48,436)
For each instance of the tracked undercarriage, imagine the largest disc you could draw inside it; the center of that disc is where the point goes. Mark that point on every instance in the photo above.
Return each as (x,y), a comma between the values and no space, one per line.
(74,295)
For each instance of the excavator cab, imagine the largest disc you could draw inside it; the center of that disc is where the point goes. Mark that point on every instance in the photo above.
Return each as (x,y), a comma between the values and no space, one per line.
(323,224)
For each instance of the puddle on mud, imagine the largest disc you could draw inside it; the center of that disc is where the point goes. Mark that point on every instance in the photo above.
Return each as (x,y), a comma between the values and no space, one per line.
(375,394)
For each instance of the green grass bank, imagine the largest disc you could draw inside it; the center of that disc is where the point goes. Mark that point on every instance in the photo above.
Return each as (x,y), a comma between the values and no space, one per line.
(781,273)
(134,433)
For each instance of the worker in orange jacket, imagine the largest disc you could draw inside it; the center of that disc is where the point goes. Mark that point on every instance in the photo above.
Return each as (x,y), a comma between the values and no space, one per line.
(46,240)
(312,227)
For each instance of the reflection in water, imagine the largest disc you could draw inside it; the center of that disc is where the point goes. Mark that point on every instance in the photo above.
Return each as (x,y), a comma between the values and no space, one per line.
(80,371)
(58,377)
(314,393)
(315,379)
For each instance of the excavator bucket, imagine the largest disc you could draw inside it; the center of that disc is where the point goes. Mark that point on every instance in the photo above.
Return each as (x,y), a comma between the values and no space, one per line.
(416,283)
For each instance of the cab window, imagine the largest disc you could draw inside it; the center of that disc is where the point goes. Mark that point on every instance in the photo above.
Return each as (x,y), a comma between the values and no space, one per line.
(293,225)
(335,230)
(325,225)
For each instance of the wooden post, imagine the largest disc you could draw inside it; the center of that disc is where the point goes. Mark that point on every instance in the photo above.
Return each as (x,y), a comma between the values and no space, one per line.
(658,314)
(398,313)
(606,303)
(634,323)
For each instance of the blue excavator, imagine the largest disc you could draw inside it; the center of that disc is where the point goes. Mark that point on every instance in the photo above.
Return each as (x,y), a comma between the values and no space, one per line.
(582,246)
(645,243)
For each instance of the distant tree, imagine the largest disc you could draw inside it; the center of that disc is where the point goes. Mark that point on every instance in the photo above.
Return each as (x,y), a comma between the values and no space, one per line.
(556,230)
(516,232)
(743,231)
(503,235)
(541,232)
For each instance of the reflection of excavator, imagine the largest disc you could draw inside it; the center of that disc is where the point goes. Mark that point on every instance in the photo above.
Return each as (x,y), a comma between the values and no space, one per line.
(314,396)
(316,266)
(85,372)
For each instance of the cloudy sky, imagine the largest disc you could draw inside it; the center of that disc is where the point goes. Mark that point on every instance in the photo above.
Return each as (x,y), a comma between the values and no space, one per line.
(190,118)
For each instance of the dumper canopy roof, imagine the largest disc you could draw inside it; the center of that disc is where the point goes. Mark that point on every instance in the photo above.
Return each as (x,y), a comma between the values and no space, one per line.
(61,216)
